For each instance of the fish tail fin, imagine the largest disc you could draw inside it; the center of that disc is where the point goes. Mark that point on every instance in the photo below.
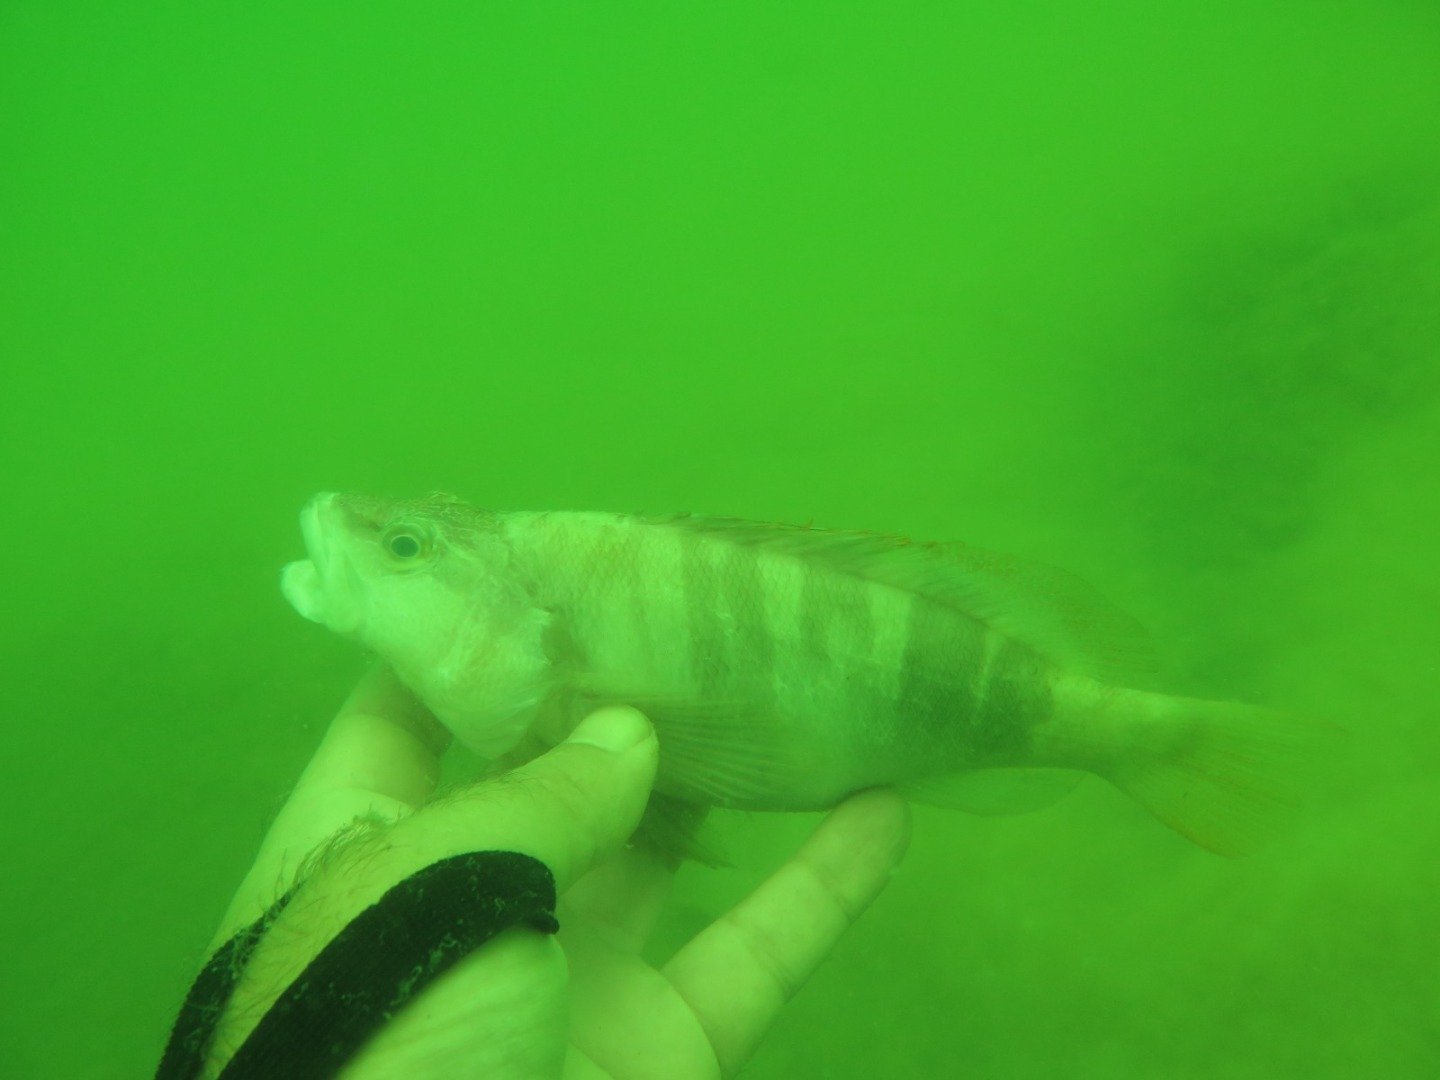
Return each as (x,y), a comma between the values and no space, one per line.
(1225,775)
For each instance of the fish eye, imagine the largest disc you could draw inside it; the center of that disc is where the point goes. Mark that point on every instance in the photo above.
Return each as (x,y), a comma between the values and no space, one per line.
(404,546)
(405,542)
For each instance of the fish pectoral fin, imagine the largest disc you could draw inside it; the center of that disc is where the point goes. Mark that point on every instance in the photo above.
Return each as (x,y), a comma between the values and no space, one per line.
(993,792)
(722,753)
(718,754)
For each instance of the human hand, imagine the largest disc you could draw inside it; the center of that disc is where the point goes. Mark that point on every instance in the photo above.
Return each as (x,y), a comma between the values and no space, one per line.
(526,1004)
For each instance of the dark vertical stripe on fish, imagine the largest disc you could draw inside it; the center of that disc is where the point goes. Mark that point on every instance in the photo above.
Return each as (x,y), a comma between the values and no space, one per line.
(943,656)
(708,664)
(1016,698)
(853,616)
(622,549)
(752,646)
(811,625)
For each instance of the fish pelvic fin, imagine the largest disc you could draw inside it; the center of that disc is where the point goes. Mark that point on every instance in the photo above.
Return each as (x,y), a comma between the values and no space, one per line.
(672,831)
(1228,776)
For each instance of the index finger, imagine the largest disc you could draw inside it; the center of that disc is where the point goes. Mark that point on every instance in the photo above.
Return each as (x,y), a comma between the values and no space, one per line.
(382,741)
(379,761)
(570,808)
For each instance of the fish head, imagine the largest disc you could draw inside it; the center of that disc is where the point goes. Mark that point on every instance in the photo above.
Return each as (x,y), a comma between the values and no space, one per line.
(423,584)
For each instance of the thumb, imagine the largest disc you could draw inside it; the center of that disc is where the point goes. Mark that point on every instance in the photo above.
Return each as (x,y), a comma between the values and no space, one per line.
(570,808)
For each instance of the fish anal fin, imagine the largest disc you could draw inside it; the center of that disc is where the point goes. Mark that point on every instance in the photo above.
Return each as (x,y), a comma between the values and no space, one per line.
(993,792)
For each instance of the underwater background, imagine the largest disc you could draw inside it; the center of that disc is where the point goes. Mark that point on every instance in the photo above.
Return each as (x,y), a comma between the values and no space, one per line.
(1148,291)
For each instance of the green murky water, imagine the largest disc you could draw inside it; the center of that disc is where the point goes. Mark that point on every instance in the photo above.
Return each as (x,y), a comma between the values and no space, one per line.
(1151,292)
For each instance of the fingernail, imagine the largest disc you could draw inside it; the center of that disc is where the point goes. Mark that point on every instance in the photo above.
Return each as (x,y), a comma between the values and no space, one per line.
(615,728)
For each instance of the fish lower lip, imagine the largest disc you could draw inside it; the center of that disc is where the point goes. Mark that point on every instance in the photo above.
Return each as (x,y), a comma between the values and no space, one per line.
(300,584)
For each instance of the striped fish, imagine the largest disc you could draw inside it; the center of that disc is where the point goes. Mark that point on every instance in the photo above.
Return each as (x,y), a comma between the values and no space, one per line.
(785,667)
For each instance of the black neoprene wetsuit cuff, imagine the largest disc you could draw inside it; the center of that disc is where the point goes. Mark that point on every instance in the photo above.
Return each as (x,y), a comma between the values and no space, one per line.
(387,955)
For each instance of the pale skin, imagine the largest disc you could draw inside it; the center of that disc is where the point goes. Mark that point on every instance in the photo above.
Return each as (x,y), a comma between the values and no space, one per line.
(583,1004)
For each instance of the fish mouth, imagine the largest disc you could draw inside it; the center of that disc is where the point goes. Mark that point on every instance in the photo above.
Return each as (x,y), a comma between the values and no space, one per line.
(313,530)
(315,587)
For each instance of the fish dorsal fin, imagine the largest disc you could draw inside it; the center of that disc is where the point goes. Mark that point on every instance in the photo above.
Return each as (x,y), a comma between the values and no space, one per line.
(1051,611)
